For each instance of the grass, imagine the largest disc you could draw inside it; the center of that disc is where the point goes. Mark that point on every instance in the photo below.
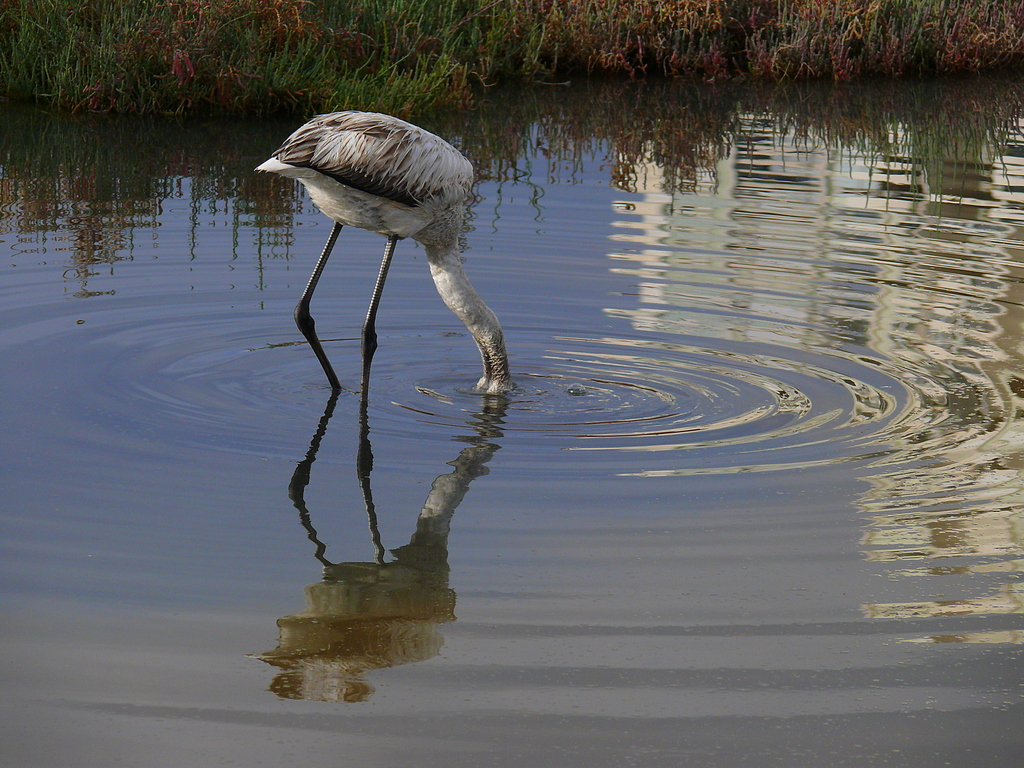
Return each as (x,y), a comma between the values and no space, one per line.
(299,56)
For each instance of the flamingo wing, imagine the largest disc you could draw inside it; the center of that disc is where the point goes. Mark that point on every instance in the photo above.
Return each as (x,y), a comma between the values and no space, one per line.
(381,155)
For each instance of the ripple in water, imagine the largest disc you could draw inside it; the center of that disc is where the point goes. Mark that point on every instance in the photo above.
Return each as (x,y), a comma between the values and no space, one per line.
(688,408)
(630,395)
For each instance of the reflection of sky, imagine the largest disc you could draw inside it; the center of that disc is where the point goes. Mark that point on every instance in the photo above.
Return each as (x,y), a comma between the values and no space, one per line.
(877,261)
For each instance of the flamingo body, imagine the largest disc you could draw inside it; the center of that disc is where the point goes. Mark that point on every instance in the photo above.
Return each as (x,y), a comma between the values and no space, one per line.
(385,175)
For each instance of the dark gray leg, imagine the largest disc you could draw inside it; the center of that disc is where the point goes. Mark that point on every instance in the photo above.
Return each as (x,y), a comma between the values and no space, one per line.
(369,330)
(305,321)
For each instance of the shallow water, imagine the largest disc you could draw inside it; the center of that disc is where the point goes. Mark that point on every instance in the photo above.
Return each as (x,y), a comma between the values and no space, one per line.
(757,499)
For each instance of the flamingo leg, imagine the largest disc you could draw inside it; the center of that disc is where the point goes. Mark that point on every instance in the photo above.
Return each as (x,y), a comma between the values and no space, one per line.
(364,465)
(304,320)
(369,327)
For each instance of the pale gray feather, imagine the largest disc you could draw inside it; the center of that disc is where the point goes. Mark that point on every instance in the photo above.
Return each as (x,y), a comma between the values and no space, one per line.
(381,155)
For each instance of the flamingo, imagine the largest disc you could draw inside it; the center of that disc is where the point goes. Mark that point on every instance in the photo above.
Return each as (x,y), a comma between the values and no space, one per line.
(385,175)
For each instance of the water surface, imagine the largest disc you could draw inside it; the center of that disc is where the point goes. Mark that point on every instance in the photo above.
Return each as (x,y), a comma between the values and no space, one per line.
(757,499)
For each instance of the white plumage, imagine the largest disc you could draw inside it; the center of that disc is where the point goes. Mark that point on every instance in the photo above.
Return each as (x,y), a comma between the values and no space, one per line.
(385,175)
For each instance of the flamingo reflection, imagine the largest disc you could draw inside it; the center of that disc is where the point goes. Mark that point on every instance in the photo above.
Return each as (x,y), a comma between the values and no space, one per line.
(371,615)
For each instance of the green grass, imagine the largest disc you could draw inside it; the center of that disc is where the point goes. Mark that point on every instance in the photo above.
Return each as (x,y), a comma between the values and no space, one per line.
(300,56)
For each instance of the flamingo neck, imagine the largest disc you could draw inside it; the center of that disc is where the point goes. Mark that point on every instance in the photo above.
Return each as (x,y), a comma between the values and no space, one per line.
(461,298)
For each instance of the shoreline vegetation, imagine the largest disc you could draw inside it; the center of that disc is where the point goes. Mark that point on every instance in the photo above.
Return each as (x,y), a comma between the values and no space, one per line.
(234,57)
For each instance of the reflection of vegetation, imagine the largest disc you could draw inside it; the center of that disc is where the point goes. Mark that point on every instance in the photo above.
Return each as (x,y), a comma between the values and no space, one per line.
(686,129)
(97,178)
(235,56)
